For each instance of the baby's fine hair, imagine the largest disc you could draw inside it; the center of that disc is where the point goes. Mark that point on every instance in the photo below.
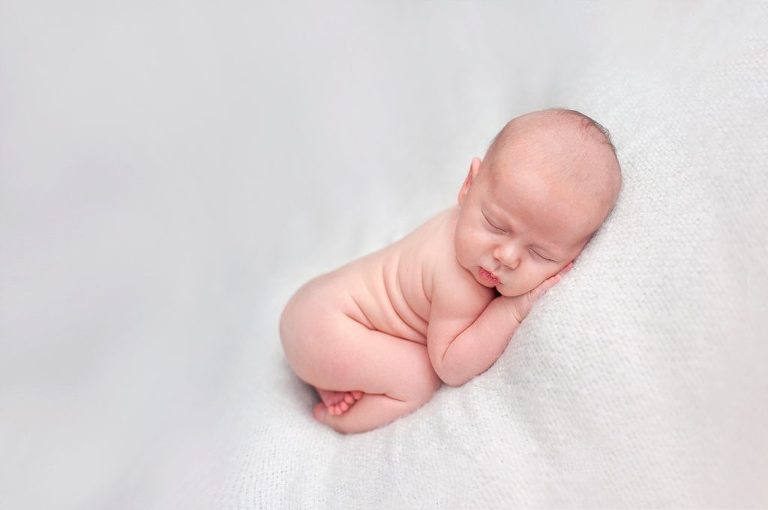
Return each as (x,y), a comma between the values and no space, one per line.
(587,122)
(591,129)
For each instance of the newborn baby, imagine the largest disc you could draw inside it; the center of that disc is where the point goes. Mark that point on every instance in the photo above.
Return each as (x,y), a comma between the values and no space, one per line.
(378,336)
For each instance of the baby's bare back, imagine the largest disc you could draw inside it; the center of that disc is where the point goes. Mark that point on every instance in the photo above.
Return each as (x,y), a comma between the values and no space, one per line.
(390,290)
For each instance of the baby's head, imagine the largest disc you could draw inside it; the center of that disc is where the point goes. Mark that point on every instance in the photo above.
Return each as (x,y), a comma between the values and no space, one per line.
(546,184)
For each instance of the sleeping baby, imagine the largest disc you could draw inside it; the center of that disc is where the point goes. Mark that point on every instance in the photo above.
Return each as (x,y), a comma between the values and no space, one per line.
(379,335)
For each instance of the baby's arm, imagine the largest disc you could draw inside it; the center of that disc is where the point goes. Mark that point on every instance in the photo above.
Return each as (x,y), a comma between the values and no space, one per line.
(462,345)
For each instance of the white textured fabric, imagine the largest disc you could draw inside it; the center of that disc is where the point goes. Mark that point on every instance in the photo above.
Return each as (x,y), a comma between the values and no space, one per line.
(171,172)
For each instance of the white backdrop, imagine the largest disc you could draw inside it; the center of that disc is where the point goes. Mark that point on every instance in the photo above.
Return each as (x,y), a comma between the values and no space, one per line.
(171,171)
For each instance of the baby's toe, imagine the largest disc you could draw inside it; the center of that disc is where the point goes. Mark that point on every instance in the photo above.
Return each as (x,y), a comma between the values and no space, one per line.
(319,411)
(357,395)
(349,399)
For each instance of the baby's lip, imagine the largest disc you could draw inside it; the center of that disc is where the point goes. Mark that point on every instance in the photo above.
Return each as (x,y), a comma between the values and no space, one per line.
(492,274)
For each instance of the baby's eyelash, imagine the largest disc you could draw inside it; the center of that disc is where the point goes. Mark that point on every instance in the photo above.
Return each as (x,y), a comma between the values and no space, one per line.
(502,230)
(491,224)
(542,257)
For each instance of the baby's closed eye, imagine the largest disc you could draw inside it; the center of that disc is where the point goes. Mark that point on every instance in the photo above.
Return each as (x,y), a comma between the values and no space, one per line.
(542,256)
(502,231)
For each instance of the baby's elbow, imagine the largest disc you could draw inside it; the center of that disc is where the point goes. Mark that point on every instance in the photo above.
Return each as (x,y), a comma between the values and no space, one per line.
(446,369)
(456,381)
(452,382)
(451,377)
(440,368)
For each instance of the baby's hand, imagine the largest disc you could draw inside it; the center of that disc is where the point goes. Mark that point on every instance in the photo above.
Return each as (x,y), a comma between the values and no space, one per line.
(519,306)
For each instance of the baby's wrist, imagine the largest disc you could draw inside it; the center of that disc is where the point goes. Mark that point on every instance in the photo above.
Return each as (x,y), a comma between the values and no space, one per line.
(508,306)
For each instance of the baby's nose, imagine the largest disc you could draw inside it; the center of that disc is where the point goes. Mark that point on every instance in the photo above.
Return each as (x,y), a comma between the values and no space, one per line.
(508,255)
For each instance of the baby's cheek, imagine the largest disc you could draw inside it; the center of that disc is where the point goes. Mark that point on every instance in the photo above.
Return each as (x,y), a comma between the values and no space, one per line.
(463,248)
(530,284)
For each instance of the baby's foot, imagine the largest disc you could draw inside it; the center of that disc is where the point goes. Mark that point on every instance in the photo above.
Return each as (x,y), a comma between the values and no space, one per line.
(338,402)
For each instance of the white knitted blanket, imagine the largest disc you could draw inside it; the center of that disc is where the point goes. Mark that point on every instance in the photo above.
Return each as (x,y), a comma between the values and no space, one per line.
(172,173)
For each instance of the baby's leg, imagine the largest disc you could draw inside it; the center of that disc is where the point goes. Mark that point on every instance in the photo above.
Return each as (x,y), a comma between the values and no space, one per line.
(370,412)
(395,375)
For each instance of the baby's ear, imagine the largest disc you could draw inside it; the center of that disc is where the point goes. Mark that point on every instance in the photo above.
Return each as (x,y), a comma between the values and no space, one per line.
(474,167)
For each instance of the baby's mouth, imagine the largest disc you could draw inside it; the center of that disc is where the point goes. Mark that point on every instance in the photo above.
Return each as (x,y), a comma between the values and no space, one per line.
(489,277)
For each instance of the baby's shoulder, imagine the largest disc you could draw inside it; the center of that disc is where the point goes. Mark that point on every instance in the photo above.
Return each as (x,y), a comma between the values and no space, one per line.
(430,247)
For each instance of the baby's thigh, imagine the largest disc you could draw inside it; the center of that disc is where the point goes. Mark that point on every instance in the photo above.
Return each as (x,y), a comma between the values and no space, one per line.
(335,352)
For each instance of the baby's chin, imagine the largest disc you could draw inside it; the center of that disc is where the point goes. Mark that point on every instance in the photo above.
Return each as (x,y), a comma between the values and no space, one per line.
(508,294)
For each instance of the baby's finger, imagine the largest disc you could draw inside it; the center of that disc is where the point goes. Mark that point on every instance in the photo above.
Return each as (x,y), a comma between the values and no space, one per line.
(521,305)
(544,287)
(551,281)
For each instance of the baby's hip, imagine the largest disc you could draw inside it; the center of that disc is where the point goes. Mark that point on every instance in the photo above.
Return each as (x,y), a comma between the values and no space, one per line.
(318,307)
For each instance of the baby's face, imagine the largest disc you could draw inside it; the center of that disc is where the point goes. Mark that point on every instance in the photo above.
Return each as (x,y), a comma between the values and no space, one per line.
(516,229)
